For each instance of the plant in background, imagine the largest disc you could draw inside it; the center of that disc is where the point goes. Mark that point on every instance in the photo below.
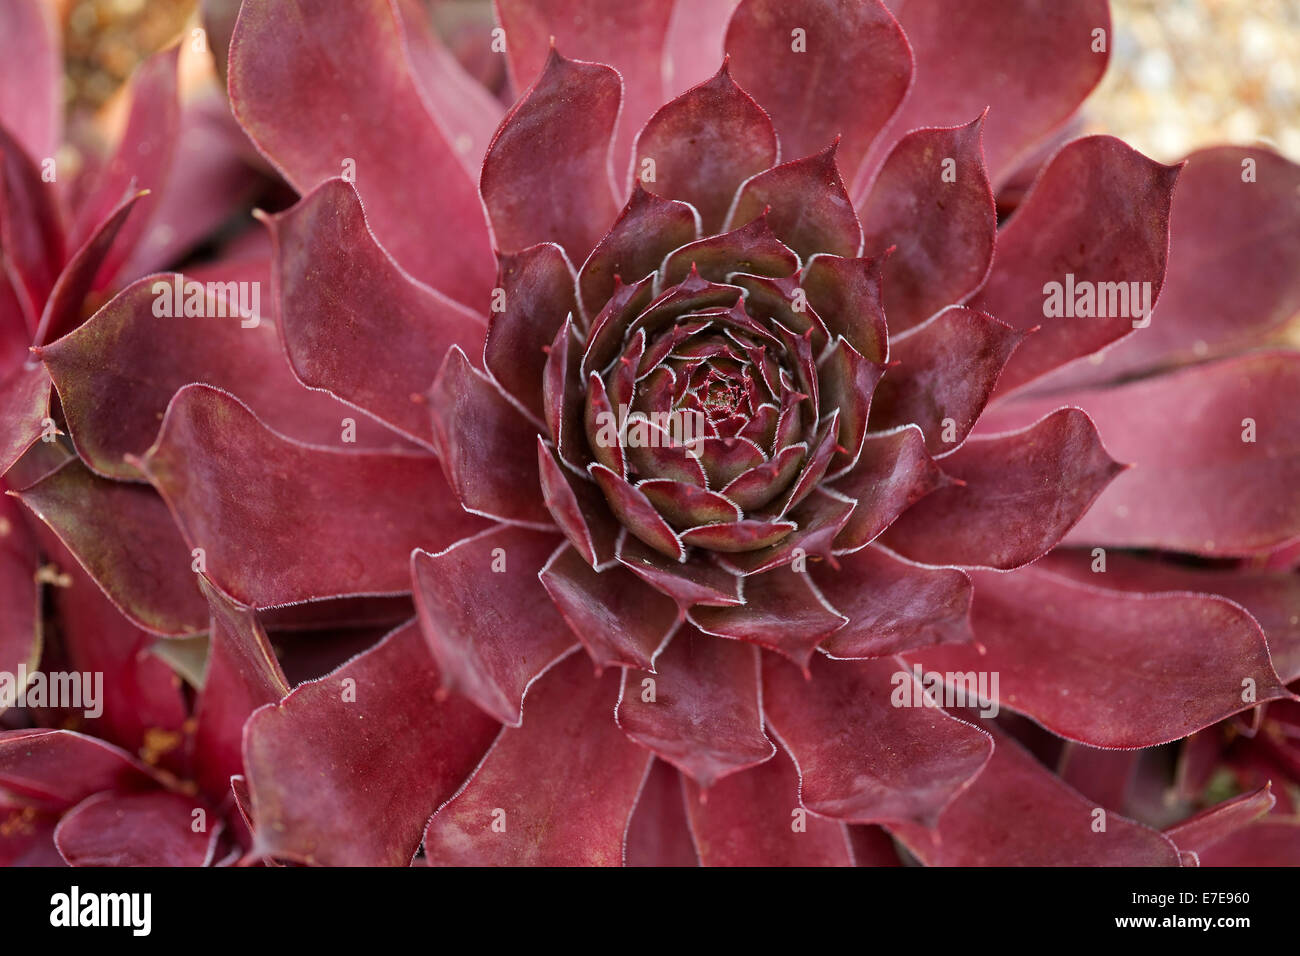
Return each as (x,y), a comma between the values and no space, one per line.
(909,477)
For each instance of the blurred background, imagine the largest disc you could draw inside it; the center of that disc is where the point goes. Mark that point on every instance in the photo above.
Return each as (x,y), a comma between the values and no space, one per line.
(1183,73)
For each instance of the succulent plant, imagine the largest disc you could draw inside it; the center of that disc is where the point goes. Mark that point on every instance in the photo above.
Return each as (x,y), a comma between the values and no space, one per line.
(713,456)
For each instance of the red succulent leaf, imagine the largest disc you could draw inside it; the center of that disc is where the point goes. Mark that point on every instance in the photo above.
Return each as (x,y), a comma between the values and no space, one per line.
(533,803)
(892,473)
(1237,444)
(486,446)
(1198,833)
(567,115)
(620,620)
(849,54)
(143,160)
(1234,265)
(701,710)
(946,372)
(658,834)
(1019,493)
(31,232)
(241,675)
(846,293)
(1016,813)
(31,99)
(60,768)
(807,205)
(861,758)
(359,544)
(124,537)
(142,706)
(578,508)
(1031,63)
(540,295)
(1271,597)
(313,758)
(756,819)
(346,308)
(326,89)
(700,147)
(1111,669)
(893,605)
(1273,842)
(648,228)
(1116,236)
(63,308)
(114,383)
(782,612)
(932,204)
(461,105)
(629,37)
(472,596)
(20,592)
(137,829)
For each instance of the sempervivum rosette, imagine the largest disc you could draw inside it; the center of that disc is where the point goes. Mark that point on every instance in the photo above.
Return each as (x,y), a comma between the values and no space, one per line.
(759,441)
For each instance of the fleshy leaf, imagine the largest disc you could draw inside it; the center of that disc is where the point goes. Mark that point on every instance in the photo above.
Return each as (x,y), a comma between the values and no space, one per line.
(568,116)
(304,532)
(140,829)
(946,371)
(142,160)
(1234,264)
(629,37)
(1197,834)
(748,820)
(619,619)
(242,674)
(20,594)
(1096,222)
(325,89)
(1032,63)
(893,605)
(1016,813)
(932,202)
(492,626)
(486,444)
(807,205)
(893,472)
(849,57)
(1111,669)
(114,382)
(315,758)
(61,768)
(31,100)
(1272,597)
(705,716)
(554,806)
(647,230)
(540,295)
(782,612)
(1019,494)
(658,834)
(346,309)
(1236,444)
(124,537)
(702,145)
(863,758)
